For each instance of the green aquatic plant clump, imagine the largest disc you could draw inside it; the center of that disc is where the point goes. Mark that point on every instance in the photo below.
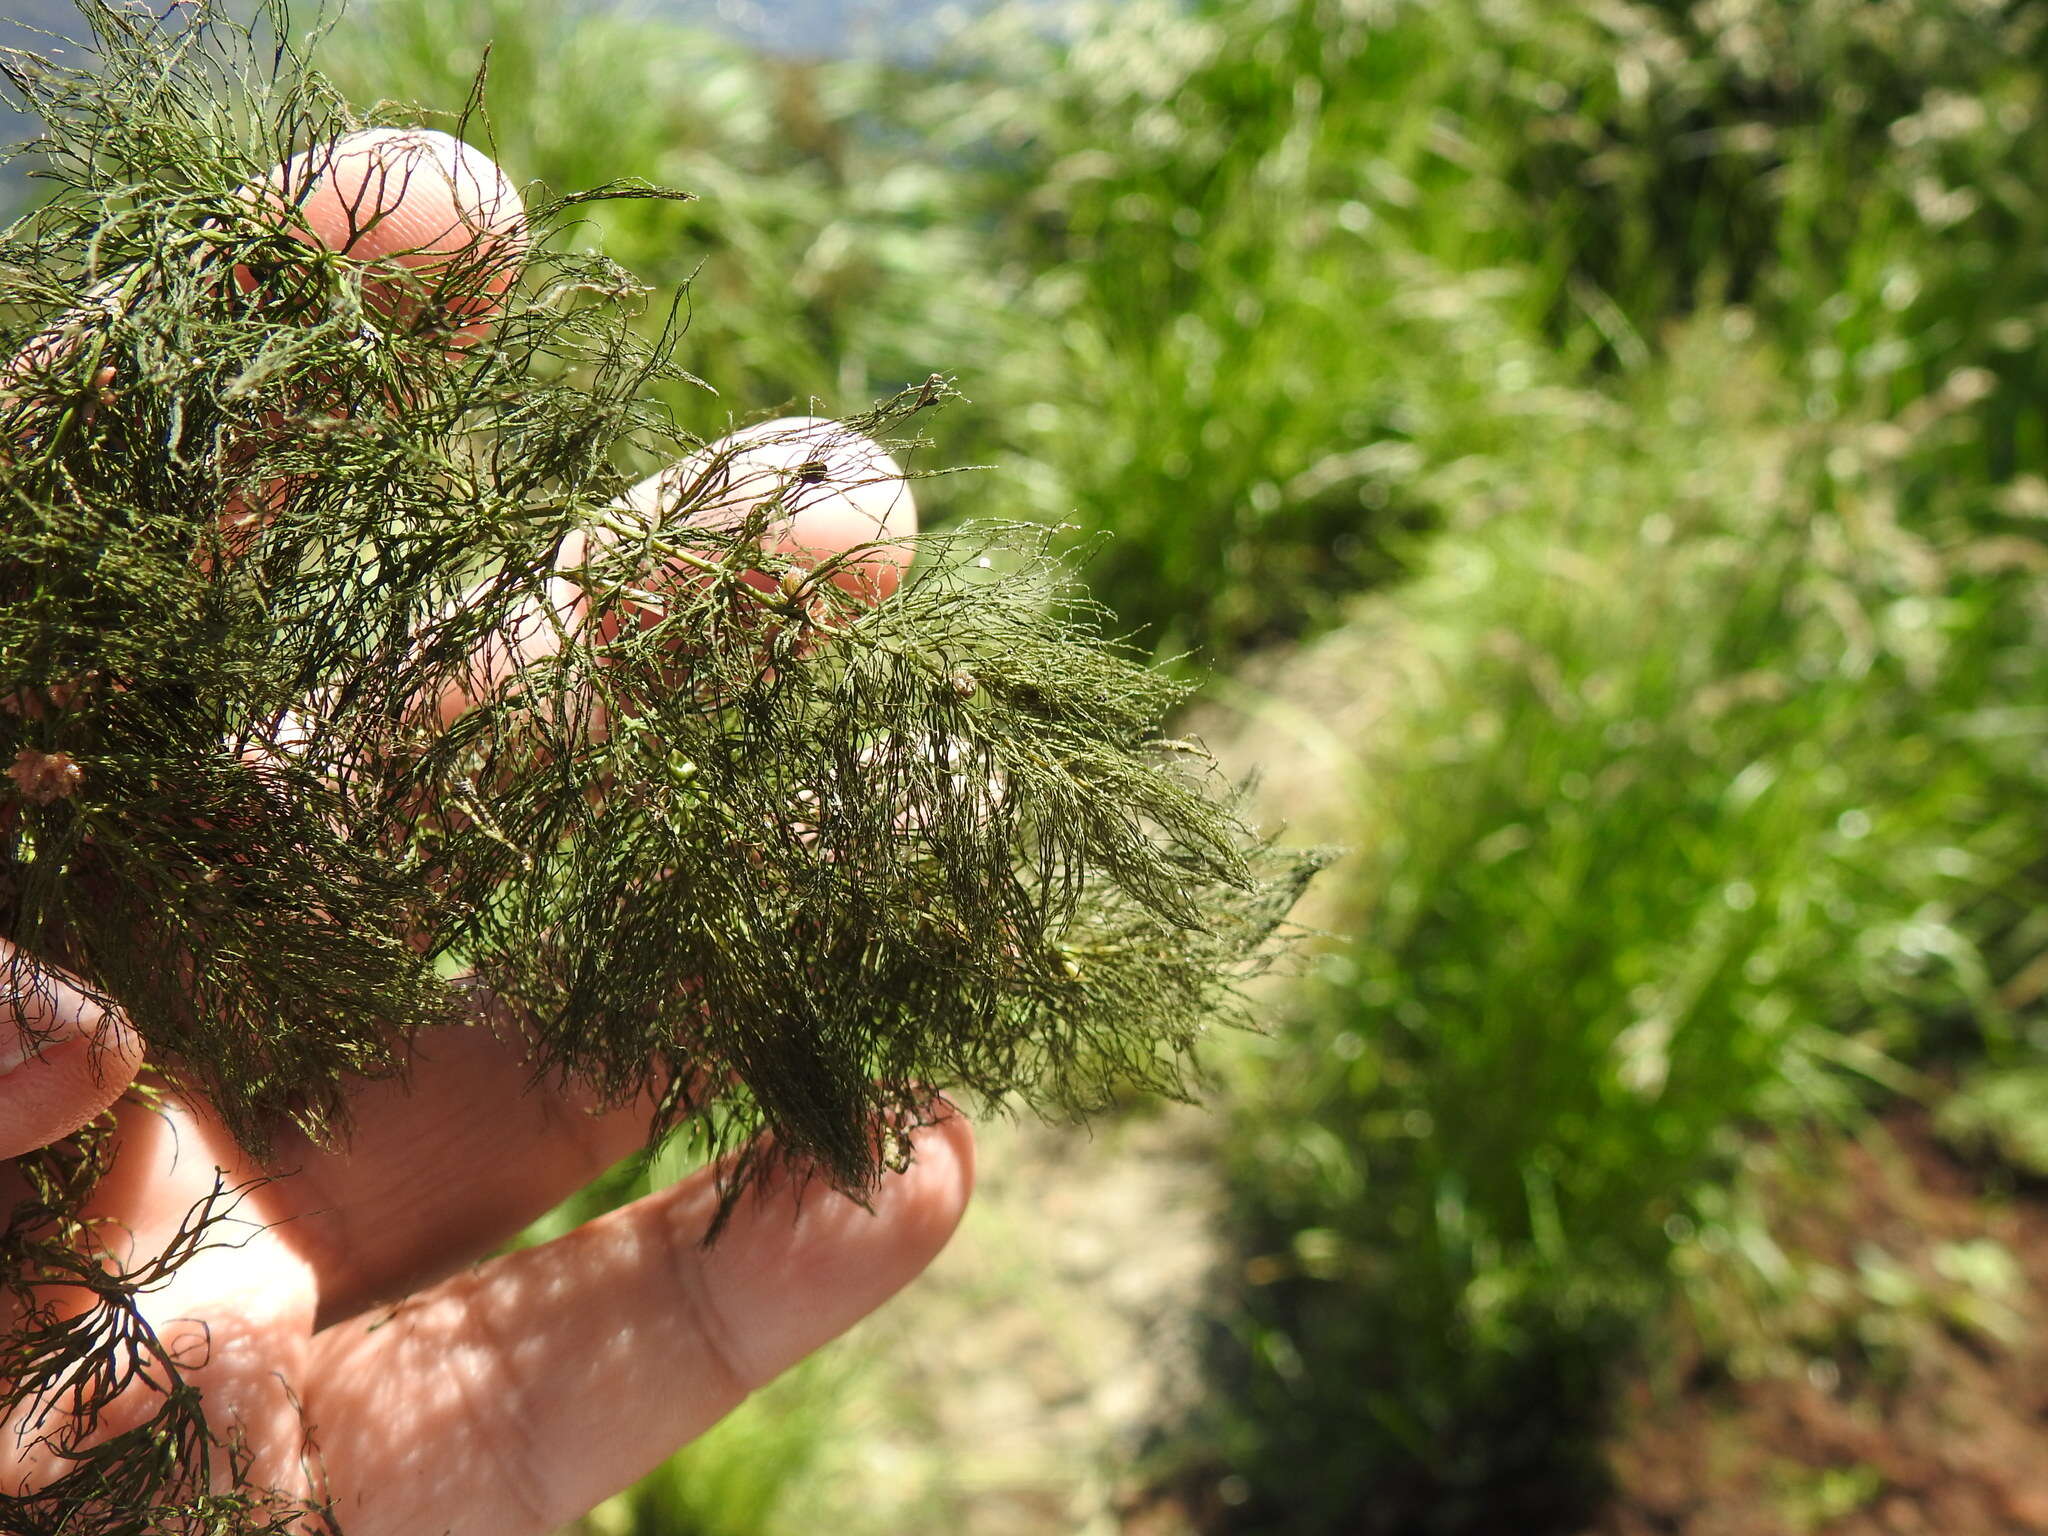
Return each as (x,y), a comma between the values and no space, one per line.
(345,692)
(749,835)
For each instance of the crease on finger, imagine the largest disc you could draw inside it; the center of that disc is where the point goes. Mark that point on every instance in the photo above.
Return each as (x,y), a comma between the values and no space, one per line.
(590,1358)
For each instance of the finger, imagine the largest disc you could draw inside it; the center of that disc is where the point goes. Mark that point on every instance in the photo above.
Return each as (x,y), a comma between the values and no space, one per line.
(233,1314)
(440,227)
(38,384)
(503,1153)
(836,494)
(838,498)
(835,491)
(512,1398)
(438,221)
(63,1058)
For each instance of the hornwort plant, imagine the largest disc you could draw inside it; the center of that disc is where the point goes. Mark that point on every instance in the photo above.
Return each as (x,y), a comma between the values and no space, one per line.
(350,687)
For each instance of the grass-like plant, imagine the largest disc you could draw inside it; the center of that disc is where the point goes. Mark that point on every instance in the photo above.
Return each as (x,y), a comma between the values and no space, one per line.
(1693,800)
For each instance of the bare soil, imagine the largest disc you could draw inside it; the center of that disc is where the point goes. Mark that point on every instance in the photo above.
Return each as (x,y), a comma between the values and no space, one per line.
(1031,1367)
(1948,1438)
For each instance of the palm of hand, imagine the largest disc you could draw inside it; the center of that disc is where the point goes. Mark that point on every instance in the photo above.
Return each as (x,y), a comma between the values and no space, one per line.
(505,1398)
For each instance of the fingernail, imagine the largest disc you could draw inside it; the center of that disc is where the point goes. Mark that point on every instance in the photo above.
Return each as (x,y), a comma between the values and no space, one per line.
(15,1052)
(42,1013)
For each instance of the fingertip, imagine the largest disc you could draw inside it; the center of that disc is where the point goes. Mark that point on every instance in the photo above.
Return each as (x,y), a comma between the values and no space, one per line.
(409,193)
(797,1267)
(917,1208)
(943,1158)
(418,200)
(55,1088)
(847,496)
(841,498)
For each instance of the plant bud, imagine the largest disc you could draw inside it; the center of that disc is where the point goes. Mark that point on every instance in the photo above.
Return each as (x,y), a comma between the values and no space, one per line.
(44,778)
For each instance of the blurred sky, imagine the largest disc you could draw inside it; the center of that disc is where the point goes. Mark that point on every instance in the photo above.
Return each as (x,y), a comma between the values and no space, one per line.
(829,27)
(15,17)
(818,28)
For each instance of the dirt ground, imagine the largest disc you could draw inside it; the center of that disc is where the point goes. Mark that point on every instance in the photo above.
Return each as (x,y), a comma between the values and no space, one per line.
(1908,1395)
(1940,1430)
(1027,1370)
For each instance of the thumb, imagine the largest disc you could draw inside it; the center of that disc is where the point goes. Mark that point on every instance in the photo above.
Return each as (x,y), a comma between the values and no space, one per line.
(63,1057)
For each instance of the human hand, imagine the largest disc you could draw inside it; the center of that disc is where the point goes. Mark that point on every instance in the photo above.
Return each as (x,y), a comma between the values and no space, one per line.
(342,1336)
(363,1365)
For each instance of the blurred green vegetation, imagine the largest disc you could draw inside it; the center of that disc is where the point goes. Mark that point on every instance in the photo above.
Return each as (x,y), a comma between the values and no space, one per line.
(810,256)
(1696,802)
(1650,393)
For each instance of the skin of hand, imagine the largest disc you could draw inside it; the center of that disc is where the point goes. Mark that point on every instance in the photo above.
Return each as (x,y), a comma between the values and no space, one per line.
(350,1329)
